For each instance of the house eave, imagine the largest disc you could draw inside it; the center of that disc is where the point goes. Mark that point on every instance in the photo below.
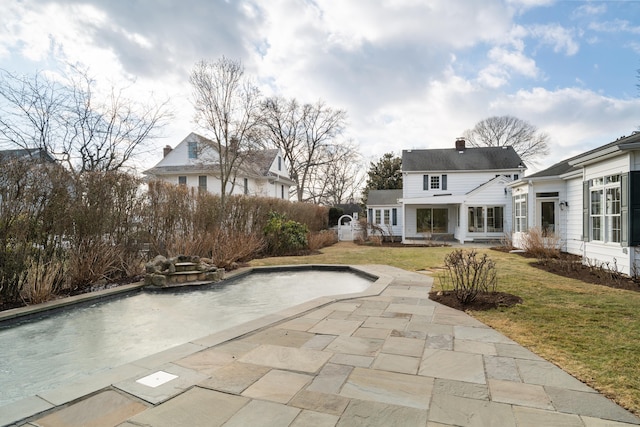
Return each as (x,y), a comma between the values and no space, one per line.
(433,200)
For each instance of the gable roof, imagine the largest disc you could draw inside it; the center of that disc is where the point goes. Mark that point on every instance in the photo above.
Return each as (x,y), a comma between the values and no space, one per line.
(574,163)
(469,159)
(558,169)
(26,153)
(261,161)
(384,197)
(256,163)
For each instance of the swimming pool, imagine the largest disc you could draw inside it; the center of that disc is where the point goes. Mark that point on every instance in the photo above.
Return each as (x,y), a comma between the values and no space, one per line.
(44,353)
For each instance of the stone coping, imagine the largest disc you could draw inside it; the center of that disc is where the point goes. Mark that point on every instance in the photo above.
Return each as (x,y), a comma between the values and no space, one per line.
(28,407)
(31,310)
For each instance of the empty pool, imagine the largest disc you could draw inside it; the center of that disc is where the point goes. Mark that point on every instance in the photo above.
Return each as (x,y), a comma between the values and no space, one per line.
(69,345)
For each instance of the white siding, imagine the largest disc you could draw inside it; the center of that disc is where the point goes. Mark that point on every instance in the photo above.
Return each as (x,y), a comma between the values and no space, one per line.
(457,182)
(573,218)
(613,166)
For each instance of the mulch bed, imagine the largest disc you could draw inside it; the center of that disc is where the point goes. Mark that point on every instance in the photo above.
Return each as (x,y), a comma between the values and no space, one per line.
(483,301)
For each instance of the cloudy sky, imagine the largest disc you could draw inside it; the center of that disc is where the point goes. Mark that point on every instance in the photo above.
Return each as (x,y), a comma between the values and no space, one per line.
(409,73)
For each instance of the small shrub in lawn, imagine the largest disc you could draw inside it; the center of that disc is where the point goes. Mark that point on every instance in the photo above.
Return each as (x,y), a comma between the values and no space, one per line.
(468,274)
(284,236)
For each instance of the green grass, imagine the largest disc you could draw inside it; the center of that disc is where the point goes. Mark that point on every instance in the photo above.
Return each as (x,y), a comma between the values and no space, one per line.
(591,331)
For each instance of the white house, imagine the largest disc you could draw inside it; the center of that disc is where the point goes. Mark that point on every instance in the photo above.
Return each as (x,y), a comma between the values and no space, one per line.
(458,193)
(591,202)
(193,163)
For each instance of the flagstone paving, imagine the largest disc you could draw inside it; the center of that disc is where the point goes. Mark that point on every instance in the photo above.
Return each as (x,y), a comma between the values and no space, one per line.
(387,357)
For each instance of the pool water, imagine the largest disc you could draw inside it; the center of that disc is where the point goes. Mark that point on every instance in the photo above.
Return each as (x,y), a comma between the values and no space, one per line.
(70,345)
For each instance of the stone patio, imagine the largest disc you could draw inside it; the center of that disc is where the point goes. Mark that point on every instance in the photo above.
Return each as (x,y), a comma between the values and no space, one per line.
(389,356)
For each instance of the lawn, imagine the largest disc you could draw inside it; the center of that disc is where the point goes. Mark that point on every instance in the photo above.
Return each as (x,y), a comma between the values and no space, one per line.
(590,331)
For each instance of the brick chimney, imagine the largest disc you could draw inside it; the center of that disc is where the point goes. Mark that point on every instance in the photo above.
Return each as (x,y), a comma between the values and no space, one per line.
(460,144)
(167,149)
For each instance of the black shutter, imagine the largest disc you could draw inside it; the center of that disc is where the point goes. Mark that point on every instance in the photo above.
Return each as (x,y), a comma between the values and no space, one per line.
(624,209)
(425,182)
(585,211)
(444,182)
(394,216)
(634,208)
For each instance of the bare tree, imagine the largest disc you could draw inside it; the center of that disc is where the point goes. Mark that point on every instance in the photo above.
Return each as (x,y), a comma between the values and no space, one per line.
(306,135)
(340,179)
(499,131)
(227,107)
(105,133)
(65,118)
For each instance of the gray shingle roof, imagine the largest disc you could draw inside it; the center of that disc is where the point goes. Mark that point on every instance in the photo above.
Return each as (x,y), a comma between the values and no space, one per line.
(384,197)
(26,153)
(450,159)
(558,169)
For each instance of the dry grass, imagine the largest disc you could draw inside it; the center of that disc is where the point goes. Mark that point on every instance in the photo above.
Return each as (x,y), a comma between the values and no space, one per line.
(591,331)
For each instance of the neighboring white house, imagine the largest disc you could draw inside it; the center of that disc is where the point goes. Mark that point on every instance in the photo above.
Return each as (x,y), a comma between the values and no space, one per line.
(458,193)
(193,163)
(590,201)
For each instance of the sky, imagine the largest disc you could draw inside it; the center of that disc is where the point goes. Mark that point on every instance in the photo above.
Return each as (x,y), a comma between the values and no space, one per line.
(411,74)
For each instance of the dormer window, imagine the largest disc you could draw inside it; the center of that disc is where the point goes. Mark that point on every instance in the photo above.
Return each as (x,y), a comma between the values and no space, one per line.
(193,150)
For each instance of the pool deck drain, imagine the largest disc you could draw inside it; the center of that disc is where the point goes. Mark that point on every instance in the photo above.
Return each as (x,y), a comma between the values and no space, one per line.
(388,356)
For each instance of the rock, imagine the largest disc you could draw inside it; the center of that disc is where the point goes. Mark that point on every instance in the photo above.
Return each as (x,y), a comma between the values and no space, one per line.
(159,280)
(159,259)
(150,268)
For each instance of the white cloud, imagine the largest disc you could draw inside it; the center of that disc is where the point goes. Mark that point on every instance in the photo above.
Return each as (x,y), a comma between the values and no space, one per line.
(560,38)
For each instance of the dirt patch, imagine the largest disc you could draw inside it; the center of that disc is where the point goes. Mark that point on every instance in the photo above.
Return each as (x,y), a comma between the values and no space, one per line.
(484,301)
(569,265)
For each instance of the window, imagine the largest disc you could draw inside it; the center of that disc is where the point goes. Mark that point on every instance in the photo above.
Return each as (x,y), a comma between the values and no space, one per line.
(370,215)
(282,191)
(202,183)
(489,218)
(520,212)
(182,180)
(246,186)
(515,176)
(193,150)
(495,219)
(435,182)
(432,220)
(386,216)
(605,197)
(378,216)
(279,163)
(476,219)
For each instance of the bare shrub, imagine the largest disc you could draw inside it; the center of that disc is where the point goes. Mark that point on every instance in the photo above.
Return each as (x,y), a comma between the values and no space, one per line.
(539,245)
(93,260)
(467,274)
(376,239)
(41,280)
(605,270)
(321,239)
(506,241)
(234,246)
